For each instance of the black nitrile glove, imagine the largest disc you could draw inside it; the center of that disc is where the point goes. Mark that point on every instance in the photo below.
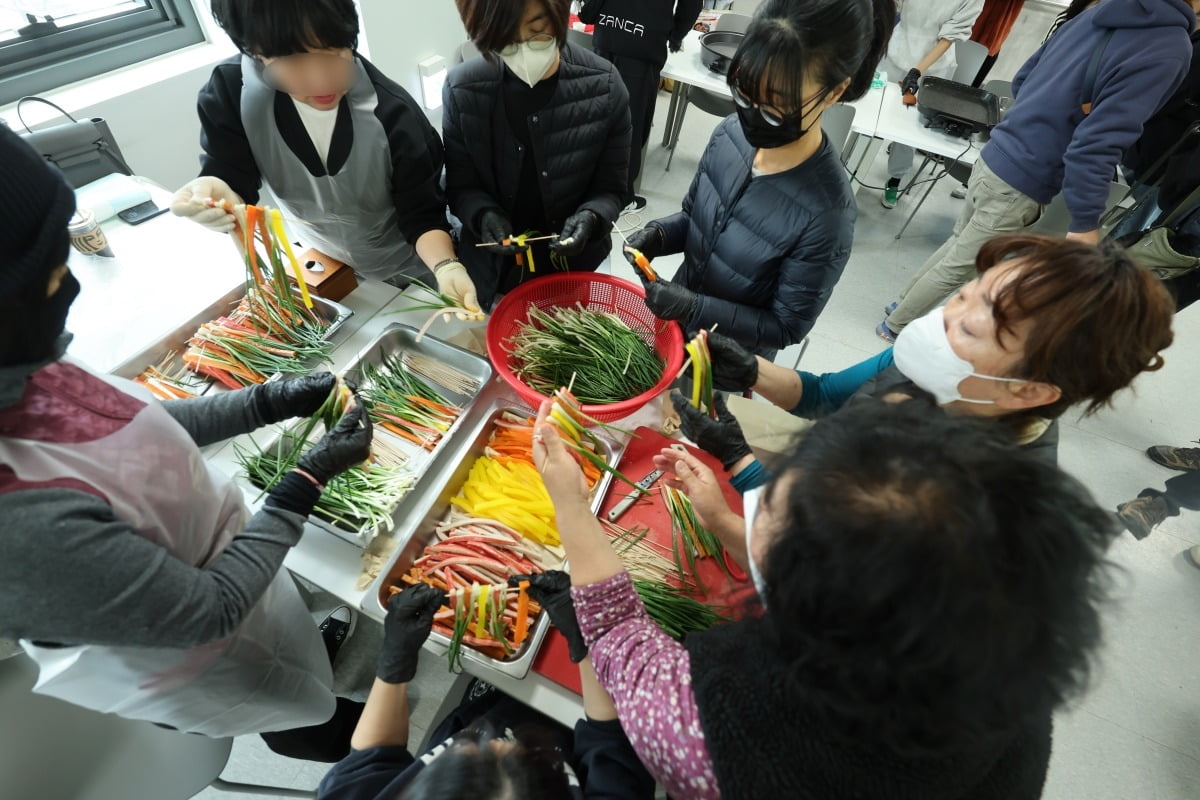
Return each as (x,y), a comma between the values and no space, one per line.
(911,82)
(722,437)
(649,240)
(734,368)
(406,627)
(348,444)
(579,229)
(293,397)
(669,300)
(494,226)
(552,590)
(676,45)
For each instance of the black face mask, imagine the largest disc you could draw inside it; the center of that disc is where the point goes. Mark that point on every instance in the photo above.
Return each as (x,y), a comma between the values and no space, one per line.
(35,336)
(762,134)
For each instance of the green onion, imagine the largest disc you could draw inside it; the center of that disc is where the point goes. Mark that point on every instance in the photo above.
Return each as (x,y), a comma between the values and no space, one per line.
(674,610)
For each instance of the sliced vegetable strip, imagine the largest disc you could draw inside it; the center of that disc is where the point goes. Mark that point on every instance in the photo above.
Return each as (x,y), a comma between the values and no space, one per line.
(405,404)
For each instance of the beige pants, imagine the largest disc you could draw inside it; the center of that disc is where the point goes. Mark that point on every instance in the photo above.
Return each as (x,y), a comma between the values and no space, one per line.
(992,208)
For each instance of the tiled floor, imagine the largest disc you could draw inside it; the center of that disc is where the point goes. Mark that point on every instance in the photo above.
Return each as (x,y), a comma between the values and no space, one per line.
(1136,734)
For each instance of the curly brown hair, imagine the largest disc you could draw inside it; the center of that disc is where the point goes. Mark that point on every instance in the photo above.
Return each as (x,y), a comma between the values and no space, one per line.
(1098,318)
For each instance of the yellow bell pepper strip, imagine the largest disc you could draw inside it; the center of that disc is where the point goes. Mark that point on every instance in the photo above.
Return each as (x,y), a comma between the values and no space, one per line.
(483,606)
(286,245)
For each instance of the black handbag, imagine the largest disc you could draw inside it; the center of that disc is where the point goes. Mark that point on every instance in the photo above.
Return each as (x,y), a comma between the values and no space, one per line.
(84,150)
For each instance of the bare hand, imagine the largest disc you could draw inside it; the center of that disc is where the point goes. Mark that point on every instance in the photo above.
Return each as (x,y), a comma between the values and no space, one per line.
(563,478)
(702,486)
(1086,237)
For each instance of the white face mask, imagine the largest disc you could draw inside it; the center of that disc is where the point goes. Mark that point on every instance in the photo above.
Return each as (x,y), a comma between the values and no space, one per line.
(750,502)
(530,61)
(923,353)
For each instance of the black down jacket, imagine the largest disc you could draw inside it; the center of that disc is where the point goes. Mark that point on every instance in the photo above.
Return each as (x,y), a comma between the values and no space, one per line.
(763,253)
(580,143)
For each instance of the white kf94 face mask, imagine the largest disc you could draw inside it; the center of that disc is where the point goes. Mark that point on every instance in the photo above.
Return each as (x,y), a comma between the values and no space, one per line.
(530,61)
(750,501)
(923,353)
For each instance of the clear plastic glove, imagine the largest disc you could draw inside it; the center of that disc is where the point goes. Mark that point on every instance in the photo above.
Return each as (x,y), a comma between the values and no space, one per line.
(195,202)
(735,369)
(347,445)
(579,229)
(494,226)
(453,281)
(406,627)
(292,397)
(552,591)
(722,437)
(670,301)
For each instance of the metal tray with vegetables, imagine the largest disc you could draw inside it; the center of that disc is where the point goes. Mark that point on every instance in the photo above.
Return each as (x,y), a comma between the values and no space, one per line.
(491,519)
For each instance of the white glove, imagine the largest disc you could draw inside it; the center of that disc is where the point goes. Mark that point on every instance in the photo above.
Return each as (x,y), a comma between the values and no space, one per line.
(453,281)
(203,200)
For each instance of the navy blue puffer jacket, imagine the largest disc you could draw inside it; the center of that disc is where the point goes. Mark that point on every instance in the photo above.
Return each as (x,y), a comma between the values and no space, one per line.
(763,253)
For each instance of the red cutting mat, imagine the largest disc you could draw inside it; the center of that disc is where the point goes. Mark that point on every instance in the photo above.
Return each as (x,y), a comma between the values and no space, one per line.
(637,462)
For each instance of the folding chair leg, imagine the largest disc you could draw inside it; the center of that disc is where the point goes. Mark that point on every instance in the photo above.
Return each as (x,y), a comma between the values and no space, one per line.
(678,125)
(268,791)
(932,183)
(800,355)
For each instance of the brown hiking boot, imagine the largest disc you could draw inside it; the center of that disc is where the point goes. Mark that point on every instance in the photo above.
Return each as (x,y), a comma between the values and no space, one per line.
(1141,515)
(1184,459)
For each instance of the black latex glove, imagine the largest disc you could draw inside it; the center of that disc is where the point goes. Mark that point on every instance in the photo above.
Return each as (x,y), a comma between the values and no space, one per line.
(734,368)
(669,300)
(552,590)
(649,240)
(722,437)
(293,397)
(911,82)
(676,45)
(348,444)
(579,229)
(406,627)
(494,226)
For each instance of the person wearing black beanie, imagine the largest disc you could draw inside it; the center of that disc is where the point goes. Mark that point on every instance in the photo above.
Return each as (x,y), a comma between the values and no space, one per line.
(131,575)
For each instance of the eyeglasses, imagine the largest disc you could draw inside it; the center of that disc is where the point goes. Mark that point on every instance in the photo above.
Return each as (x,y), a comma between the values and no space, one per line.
(305,70)
(774,118)
(539,41)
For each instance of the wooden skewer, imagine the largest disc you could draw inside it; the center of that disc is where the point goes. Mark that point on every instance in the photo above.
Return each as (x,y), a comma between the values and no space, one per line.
(527,241)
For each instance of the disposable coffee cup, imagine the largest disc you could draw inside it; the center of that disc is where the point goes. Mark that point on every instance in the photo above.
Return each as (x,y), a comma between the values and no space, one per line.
(87,236)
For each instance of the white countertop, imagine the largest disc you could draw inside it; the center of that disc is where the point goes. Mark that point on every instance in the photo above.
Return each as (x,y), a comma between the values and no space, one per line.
(904,124)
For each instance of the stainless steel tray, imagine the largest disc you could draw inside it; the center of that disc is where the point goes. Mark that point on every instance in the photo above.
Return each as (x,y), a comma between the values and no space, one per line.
(412,543)
(176,341)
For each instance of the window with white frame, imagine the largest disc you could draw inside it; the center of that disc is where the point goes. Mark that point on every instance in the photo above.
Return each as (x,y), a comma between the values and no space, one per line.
(45,44)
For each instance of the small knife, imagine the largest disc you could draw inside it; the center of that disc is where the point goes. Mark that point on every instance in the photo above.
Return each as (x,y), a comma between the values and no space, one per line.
(645,483)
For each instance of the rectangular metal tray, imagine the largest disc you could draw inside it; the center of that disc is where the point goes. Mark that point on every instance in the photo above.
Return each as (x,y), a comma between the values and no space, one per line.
(411,544)
(176,341)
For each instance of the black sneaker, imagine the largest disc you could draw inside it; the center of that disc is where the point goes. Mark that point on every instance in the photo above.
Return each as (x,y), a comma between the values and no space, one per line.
(1184,459)
(637,204)
(1143,514)
(335,630)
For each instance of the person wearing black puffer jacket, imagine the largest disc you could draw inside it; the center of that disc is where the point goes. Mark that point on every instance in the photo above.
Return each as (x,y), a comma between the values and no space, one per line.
(537,142)
(634,35)
(767,225)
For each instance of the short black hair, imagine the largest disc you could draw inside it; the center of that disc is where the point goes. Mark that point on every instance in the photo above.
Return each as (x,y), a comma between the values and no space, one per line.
(277,28)
(494,24)
(531,769)
(932,585)
(829,40)
(22,307)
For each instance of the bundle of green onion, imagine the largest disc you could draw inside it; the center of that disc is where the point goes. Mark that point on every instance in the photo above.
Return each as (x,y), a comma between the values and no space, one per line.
(674,610)
(406,405)
(595,353)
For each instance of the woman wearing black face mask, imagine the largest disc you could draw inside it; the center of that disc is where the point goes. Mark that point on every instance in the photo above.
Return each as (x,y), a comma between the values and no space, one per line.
(767,225)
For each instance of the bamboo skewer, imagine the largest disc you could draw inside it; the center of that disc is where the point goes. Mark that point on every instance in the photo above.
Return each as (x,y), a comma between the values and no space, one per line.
(527,241)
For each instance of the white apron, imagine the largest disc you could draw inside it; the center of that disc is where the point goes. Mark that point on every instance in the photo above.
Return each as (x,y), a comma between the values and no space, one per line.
(351,215)
(272,674)
(922,24)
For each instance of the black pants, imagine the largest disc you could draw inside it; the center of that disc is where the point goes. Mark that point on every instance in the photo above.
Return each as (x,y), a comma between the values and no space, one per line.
(1183,491)
(641,80)
(984,69)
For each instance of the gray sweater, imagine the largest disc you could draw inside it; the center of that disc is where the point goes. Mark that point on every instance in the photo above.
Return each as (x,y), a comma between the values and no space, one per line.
(73,573)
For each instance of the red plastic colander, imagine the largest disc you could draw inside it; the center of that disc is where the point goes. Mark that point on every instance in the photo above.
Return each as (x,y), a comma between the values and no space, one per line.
(592,291)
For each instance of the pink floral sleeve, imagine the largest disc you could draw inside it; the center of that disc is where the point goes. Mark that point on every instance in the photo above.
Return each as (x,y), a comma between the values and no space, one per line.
(648,675)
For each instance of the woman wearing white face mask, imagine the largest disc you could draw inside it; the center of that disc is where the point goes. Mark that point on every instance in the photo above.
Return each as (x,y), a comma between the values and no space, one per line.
(537,138)
(1048,323)
(918,628)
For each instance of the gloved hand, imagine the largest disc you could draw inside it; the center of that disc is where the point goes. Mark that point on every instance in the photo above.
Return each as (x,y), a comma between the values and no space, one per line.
(192,202)
(649,240)
(722,437)
(406,627)
(348,444)
(453,281)
(676,45)
(494,226)
(735,369)
(292,397)
(911,82)
(669,300)
(579,229)
(552,590)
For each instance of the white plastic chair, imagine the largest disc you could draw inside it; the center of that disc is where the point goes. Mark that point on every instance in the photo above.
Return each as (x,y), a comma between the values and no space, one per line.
(56,750)
(970,57)
(836,122)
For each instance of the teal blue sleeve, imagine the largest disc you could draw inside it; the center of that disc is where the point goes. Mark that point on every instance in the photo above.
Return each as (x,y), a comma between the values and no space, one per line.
(751,477)
(825,393)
